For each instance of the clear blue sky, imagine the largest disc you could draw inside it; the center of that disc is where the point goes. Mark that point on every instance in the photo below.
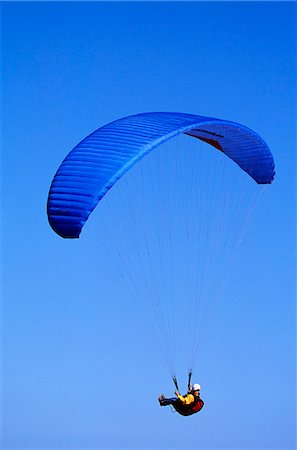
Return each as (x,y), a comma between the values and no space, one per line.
(76,356)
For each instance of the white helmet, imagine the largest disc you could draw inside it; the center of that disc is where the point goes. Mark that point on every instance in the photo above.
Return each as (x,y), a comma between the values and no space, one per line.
(196,387)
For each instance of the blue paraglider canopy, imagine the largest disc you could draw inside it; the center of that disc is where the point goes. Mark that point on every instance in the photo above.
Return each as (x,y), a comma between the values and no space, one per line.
(100,159)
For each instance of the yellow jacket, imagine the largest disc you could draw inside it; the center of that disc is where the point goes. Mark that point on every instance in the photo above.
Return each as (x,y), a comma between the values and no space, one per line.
(187,399)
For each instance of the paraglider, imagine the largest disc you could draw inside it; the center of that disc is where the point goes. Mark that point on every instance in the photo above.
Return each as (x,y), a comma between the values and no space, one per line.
(99,160)
(186,405)
(96,164)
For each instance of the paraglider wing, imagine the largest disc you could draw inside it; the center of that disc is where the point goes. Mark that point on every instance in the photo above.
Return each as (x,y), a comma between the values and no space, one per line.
(100,159)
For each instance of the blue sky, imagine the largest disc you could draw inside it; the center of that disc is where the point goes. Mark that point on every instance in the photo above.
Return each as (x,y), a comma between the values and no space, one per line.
(78,368)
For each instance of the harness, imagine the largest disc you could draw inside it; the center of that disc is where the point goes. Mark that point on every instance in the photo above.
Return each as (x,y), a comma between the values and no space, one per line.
(197,405)
(192,408)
